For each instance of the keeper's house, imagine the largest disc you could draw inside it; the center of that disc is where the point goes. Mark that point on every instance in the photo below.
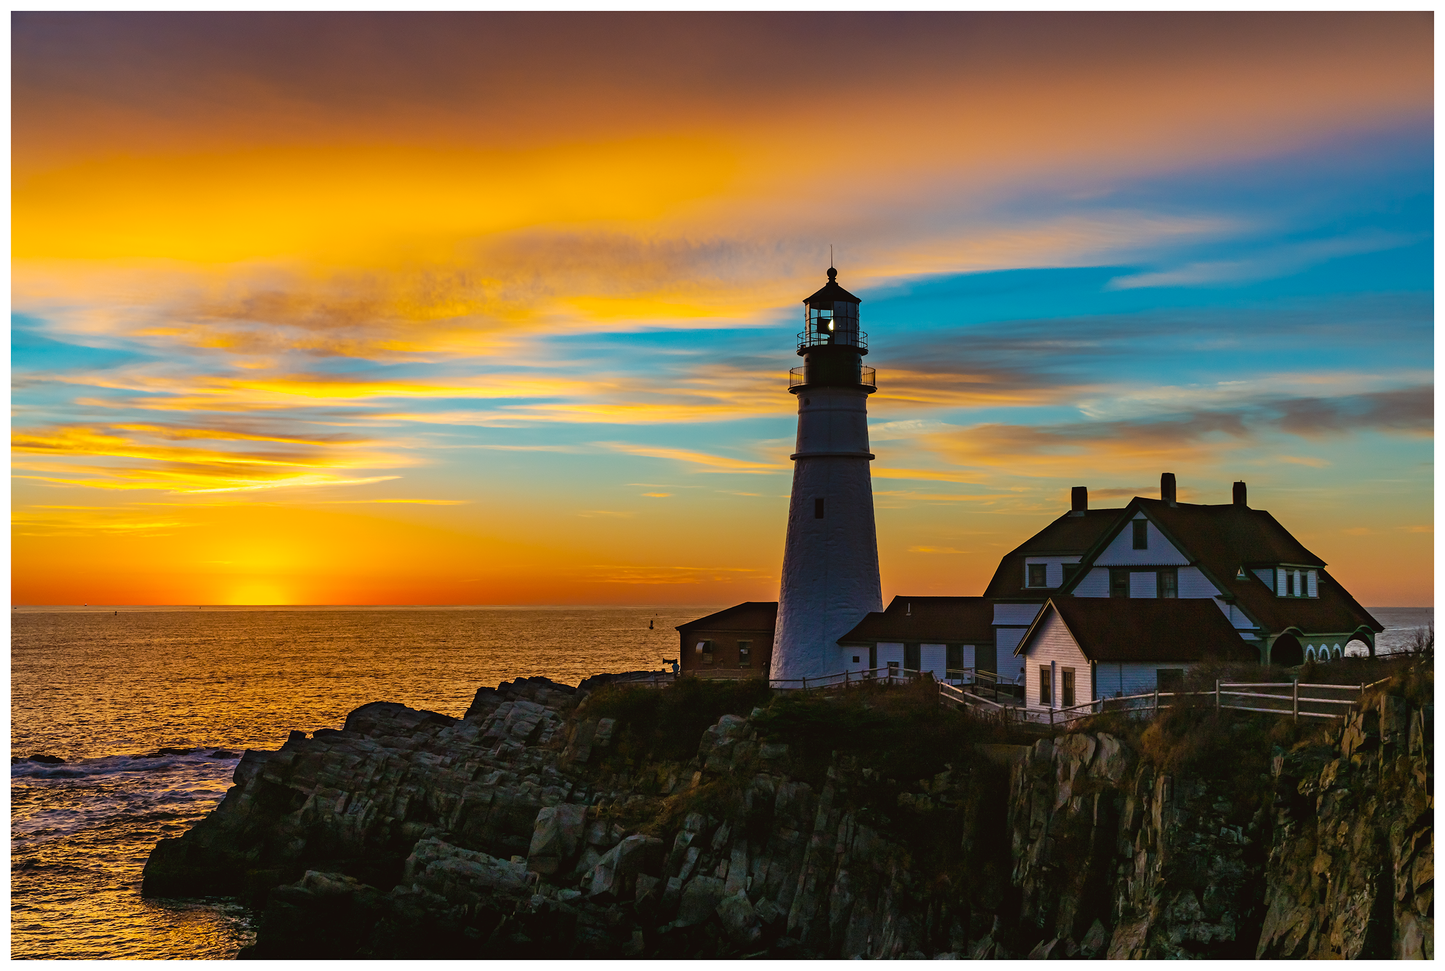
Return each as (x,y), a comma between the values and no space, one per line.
(1081,649)
(732,643)
(1275,593)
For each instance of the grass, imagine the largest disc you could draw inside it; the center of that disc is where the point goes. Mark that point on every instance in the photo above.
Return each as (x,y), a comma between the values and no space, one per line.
(666,724)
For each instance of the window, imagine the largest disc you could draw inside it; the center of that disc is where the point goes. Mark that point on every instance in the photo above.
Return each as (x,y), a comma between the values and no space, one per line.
(855,658)
(1119,583)
(1038,574)
(1170,679)
(745,654)
(818,508)
(705,649)
(892,668)
(1066,682)
(912,657)
(1069,570)
(1141,534)
(953,657)
(1168,584)
(1046,689)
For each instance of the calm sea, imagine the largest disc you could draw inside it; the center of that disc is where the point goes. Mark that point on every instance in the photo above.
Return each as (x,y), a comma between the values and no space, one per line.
(108,691)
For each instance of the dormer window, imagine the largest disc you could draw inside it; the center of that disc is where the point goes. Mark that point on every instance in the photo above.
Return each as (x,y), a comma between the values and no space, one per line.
(1296,582)
(1038,574)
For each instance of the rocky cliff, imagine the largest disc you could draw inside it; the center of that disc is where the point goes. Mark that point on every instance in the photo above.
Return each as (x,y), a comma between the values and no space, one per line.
(551,822)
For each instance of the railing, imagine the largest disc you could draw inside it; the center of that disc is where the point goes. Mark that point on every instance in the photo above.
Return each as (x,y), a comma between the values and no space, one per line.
(1290,701)
(646,679)
(822,338)
(867,377)
(847,679)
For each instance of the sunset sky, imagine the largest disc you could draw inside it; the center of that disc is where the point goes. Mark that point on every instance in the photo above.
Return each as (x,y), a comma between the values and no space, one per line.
(499,308)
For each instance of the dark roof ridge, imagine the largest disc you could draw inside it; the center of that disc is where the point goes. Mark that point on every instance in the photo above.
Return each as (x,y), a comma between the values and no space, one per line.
(757,611)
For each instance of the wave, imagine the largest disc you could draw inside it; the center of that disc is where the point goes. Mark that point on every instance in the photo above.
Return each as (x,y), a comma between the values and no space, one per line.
(162,761)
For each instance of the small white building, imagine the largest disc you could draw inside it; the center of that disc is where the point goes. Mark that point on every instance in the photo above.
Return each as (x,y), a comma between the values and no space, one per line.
(948,637)
(1081,649)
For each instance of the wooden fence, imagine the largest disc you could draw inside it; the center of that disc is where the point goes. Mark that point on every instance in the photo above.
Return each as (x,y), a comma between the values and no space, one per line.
(890,675)
(1293,698)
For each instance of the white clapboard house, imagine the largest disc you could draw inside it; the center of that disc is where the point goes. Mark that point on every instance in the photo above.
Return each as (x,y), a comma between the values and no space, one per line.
(1275,595)
(1081,649)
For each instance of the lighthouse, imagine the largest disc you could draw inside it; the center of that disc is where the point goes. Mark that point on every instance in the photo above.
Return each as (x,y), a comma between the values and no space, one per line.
(830,558)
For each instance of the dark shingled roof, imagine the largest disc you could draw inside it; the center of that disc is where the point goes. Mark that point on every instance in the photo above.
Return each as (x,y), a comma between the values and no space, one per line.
(831,292)
(1222,538)
(752,615)
(1146,630)
(935,620)
(1069,535)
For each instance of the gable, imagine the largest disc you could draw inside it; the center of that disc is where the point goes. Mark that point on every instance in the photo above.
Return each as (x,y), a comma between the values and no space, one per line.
(1158,549)
(1142,630)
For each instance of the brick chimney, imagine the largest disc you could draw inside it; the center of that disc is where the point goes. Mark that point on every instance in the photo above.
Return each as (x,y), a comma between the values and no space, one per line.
(1240,497)
(1080,501)
(1166,487)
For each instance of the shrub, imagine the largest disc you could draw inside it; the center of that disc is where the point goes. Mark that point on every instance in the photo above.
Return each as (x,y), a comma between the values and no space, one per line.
(665,724)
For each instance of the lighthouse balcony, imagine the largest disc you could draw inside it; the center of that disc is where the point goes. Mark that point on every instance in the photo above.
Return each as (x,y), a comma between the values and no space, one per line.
(867,378)
(822,336)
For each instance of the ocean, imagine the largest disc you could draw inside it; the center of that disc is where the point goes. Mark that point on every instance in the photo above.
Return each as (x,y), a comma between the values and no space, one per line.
(150,709)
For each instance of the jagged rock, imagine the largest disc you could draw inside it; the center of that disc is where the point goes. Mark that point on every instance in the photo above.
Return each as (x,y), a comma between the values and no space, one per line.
(700,898)
(556,836)
(452,872)
(739,919)
(615,875)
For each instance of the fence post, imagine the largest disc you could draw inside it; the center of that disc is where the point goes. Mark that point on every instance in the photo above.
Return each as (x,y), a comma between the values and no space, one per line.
(1296,699)
(1156,701)
(805,682)
(1216,694)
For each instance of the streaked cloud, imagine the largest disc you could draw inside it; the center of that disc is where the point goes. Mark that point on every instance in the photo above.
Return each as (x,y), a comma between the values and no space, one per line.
(701,461)
(1275,262)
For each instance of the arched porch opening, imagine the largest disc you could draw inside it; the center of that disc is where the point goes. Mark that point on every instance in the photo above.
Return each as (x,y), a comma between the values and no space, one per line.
(1286,651)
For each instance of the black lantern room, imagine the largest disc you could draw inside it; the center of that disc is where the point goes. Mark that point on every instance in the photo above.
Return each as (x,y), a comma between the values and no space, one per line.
(831,344)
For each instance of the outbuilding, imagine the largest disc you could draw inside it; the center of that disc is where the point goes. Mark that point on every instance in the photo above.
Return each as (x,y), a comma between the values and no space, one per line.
(949,637)
(732,643)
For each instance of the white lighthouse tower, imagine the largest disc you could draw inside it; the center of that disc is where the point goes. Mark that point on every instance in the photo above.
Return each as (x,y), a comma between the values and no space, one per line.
(830,561)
